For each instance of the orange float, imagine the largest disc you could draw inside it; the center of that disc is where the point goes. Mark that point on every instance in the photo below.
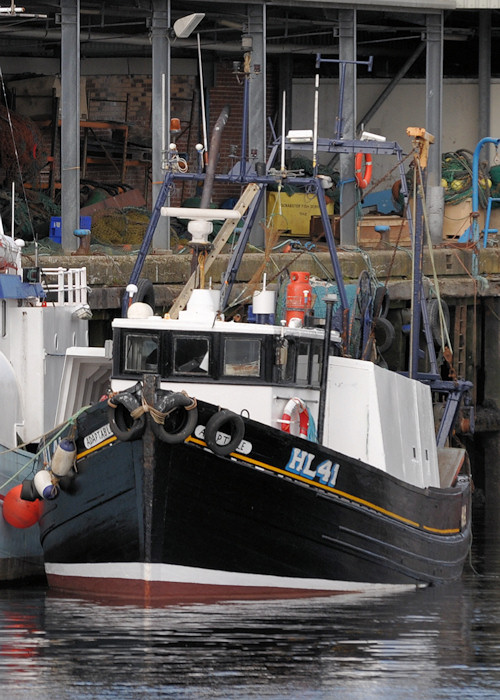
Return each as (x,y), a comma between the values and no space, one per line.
(20,513)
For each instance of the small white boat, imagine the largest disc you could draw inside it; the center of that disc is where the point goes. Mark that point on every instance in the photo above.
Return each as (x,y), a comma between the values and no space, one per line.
(43,313)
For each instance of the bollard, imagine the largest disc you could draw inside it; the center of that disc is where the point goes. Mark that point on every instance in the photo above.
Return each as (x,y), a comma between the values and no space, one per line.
(83,235)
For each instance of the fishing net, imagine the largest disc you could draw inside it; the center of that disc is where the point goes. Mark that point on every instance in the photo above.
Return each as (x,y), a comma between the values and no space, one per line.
(456,179)
(25,139)
(120,226)
(33,212)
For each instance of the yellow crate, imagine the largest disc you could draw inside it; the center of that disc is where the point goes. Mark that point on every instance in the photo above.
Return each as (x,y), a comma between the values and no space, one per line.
(296,209)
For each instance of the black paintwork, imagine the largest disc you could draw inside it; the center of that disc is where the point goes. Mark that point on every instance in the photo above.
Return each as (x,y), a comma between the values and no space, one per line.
(224,513)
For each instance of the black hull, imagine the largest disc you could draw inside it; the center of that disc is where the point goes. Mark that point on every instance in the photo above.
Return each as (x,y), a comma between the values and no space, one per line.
(155,522)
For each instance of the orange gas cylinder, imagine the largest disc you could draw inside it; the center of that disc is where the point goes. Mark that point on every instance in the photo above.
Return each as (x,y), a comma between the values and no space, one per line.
(299,298)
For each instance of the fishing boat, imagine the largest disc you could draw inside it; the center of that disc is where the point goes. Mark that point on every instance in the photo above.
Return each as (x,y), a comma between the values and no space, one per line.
(43,313)
(259,457)
(253,459)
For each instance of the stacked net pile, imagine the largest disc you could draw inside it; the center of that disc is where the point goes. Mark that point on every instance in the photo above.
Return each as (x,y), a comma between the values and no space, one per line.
(20,139)
(120,226)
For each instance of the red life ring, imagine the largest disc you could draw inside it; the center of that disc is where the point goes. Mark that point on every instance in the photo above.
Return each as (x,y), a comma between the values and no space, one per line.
(292,407)
(363,180)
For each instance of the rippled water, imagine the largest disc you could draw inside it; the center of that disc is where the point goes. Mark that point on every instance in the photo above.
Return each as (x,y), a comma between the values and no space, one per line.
(429,644)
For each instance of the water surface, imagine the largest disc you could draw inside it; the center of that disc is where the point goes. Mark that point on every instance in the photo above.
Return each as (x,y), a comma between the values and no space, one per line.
(434,643)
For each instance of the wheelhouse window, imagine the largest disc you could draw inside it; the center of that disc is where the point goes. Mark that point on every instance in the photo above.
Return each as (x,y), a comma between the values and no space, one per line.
(298,361)
(242,357)
(191,355)
(141,353)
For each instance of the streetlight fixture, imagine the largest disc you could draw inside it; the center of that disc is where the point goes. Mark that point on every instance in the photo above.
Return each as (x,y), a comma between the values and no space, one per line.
(181,29)
(185,26)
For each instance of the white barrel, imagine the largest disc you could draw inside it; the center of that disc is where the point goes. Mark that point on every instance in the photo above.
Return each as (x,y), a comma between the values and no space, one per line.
(44,486)
(204,300)
(264,302)
(64,457)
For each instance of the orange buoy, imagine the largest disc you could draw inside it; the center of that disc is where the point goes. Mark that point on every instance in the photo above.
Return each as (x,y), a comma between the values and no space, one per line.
(299,297)
(20,513)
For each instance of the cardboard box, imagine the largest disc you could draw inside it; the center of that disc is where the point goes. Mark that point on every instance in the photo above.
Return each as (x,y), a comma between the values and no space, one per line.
(457,218)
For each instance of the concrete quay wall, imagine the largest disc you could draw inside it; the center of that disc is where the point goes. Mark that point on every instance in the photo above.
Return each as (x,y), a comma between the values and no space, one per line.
(109,275)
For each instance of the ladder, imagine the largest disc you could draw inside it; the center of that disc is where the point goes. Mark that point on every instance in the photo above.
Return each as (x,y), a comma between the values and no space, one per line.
(218,244)
(460,340)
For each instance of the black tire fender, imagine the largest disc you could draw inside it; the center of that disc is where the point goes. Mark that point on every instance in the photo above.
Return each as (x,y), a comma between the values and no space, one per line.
(170,403)
(232,423)
(381,302)
(145,292)
(120,408)
(384,333)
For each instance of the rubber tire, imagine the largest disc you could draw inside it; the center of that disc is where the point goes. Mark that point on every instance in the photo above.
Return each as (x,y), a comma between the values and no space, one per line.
(381,302)
(145,292)
(177,436)
(215,423)
(118,424)
(384,334)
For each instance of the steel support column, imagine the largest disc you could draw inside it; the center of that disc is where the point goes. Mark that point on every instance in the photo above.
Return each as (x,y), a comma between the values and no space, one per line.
(484,73)
(433,109)
(365,119)
(257,127)
(160,110)
(70,122)
(347,52)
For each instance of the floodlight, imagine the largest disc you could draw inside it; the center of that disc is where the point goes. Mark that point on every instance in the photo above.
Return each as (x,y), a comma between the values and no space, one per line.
(184,26)
(368,136)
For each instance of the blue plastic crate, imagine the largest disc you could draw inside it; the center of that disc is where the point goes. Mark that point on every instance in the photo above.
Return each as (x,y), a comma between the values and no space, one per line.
(55,227)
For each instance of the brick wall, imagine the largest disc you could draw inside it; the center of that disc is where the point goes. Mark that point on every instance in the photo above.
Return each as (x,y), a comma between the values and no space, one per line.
(127,98)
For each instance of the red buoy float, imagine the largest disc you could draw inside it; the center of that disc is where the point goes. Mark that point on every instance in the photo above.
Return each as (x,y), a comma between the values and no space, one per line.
(299,297)
(20,513)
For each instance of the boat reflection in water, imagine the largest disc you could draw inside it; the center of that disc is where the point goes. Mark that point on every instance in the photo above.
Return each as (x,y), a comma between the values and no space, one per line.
(437,642)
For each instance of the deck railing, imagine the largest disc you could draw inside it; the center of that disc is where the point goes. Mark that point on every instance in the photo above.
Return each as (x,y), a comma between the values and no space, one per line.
(65,286)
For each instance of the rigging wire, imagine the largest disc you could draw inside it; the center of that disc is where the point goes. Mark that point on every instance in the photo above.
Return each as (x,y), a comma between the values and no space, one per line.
(11,127)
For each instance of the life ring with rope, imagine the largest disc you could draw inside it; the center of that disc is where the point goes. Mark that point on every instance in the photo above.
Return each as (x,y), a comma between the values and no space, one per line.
(126,416)
(363,178)
(293,406)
